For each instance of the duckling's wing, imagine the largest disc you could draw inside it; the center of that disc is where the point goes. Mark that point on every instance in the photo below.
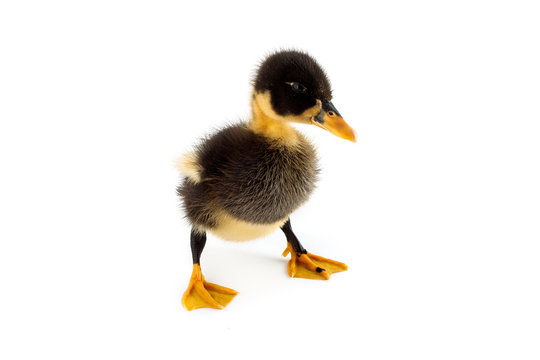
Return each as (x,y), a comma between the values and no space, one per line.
(225,152)
(247,176)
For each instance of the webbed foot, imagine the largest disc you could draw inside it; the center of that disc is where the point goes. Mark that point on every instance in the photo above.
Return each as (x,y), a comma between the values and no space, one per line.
(310,266)
(200,293)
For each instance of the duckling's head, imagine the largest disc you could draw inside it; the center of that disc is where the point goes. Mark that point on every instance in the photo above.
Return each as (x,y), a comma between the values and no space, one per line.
(290,86)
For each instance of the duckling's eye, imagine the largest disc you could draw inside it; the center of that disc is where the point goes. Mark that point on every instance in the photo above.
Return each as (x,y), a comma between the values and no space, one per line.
(298,88)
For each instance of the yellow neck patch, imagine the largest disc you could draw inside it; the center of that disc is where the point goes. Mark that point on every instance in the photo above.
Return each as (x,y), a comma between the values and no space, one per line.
(266,122)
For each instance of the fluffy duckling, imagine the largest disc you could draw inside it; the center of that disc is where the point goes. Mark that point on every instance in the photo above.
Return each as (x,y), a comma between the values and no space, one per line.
(244,181)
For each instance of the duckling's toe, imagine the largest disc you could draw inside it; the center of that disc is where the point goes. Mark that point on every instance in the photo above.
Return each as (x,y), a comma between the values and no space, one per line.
(310,266)
(201,294)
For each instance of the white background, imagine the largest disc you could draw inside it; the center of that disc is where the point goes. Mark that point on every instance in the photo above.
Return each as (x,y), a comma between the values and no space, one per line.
(435,209)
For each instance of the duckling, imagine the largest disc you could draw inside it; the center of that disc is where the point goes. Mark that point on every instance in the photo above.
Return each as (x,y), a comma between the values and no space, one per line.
(244,181)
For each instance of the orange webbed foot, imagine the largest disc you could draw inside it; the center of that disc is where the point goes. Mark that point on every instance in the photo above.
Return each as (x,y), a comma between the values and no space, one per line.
(310,266)
(201,294)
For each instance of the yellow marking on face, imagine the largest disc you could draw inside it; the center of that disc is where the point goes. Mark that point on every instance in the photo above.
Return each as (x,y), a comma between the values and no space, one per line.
(270,124)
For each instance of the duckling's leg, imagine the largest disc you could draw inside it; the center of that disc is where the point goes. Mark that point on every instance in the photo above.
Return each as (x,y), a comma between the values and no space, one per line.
(306,265)
(199,292)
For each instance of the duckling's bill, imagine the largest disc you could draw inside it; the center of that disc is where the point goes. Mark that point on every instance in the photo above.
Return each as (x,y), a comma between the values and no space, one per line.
(330,119)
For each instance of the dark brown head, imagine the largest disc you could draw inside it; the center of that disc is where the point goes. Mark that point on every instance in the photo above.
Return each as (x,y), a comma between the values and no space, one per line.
(291,86)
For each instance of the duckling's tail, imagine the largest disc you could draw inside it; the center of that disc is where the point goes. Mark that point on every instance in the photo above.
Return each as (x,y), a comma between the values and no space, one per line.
(188,165)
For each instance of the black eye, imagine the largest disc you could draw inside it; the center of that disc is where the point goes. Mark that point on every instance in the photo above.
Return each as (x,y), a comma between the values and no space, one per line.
(298,88)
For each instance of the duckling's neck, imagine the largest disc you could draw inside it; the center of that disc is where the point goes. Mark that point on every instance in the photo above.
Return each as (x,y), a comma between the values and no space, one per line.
(267,123)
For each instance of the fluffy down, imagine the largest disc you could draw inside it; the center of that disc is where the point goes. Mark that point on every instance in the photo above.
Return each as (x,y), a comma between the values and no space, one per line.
(240,177)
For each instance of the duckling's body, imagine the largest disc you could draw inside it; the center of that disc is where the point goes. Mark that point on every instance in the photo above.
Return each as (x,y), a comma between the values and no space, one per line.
(247,184)
(245,181)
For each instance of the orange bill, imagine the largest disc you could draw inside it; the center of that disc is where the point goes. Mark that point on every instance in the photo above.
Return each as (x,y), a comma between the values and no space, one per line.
(330,119)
